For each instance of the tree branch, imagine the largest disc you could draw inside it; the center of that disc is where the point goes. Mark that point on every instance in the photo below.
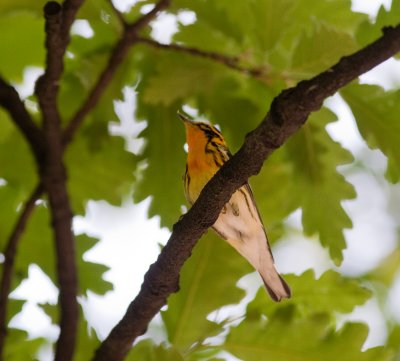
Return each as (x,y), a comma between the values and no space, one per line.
(69,10)
(53,173)
(231,62)
(118,13)
(288,113)
(47,85)
(9,257)
(10,101)
(128,39)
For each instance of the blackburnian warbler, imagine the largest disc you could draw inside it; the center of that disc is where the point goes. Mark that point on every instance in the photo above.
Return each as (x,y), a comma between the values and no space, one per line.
(239,222)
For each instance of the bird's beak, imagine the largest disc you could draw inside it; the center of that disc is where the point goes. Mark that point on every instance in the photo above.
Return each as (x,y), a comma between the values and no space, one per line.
(185,118)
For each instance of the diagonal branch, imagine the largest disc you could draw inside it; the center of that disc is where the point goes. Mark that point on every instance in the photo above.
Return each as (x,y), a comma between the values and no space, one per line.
(128,39)
(232,62)
(288,113)
(9,258)
(10,101)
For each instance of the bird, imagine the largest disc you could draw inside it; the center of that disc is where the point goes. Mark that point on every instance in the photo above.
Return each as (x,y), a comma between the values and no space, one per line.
(239,222)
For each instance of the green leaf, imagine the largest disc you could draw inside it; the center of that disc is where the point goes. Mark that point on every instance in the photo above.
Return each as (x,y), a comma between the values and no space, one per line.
(15,43)
(376,116)
(213,20)
(36,246)
(165,163)
(320,49)
(179,76)
(13,308)
(336,14)
(315,158)
(369,32)
(14,6)
(147,350)
(271,188)
(90,273)
(20,169)
(87,341)
(103,170)
(283,338)
(330,293)
(208,282)
(19,347)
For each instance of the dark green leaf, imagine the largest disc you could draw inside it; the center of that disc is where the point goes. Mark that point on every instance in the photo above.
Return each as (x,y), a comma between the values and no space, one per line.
(165,164)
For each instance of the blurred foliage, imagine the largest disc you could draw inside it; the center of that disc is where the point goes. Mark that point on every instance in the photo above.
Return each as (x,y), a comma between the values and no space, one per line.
(290,40)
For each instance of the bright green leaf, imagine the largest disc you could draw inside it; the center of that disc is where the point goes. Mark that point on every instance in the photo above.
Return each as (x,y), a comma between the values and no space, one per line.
(376,113)
(319,50)
(315,158)
(329,293)
(369,32)
(178,76)
(146,350)
(19,347)
(310,339)
(17,49)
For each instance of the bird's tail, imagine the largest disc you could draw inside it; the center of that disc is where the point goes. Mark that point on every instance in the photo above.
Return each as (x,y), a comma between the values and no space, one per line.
(275,284)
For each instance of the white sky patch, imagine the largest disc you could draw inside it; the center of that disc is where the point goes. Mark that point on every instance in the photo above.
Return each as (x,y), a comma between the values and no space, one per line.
(37,279)
(371,314)
(125,5)
(386,75)
(128,127)
(373,236)
(31,74)
(164,28)
(370,7)
(129,244)
(82,28)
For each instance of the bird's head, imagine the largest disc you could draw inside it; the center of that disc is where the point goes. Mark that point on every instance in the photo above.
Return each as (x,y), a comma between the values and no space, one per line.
(201,134)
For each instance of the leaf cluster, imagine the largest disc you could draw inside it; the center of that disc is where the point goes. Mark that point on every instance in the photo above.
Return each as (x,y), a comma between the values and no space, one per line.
(286,42)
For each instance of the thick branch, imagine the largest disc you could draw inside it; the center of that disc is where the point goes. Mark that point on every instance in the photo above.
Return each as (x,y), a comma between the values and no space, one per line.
(128,39)
(288,113)
(69,10)
(9,257)
(47,85)
(53,173)
(231,62)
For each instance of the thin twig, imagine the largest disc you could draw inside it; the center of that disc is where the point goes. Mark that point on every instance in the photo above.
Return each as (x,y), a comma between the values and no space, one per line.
(118,13)
(231,62)
(288,113)
(9,258)
(128,39)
